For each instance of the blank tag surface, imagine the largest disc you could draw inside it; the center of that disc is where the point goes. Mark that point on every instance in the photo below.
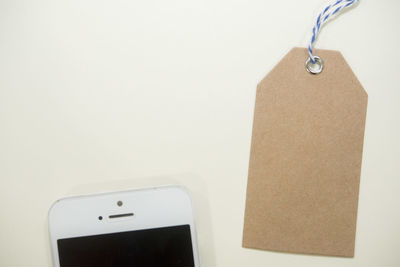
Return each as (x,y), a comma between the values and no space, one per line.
(305,160)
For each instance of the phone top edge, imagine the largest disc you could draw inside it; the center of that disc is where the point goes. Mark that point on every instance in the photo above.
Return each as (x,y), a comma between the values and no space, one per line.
(180,187)
(179,194)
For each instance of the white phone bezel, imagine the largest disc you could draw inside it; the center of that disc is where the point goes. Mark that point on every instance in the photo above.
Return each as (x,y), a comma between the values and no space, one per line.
(152,208)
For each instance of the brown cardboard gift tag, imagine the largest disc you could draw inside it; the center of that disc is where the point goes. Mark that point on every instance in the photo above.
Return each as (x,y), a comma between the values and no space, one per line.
(305,161)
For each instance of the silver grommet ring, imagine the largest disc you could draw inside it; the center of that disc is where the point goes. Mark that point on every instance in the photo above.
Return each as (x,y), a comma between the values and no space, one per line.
(315,68)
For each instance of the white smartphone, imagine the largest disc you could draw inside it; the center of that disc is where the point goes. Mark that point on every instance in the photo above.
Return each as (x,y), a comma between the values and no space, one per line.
(142,228)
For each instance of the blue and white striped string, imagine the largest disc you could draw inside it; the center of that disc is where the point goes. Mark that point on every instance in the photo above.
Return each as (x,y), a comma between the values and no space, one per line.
(327,13)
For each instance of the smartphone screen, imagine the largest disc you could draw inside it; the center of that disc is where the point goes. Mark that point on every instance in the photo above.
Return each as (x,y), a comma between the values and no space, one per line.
(159,247)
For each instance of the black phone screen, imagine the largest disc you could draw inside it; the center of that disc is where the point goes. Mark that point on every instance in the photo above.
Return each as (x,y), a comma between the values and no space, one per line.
(159,247)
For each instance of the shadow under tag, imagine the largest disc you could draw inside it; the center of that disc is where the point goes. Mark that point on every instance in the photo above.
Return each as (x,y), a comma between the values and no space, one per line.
(305,160)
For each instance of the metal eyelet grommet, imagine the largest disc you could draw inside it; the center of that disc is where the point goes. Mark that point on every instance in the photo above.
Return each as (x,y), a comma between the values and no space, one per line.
(315,68)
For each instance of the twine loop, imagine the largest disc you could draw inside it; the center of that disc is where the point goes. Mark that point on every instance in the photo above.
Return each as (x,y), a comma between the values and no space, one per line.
(327,13)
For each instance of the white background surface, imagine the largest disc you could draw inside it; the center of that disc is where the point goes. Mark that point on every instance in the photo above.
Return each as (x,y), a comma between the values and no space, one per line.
(105,95)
